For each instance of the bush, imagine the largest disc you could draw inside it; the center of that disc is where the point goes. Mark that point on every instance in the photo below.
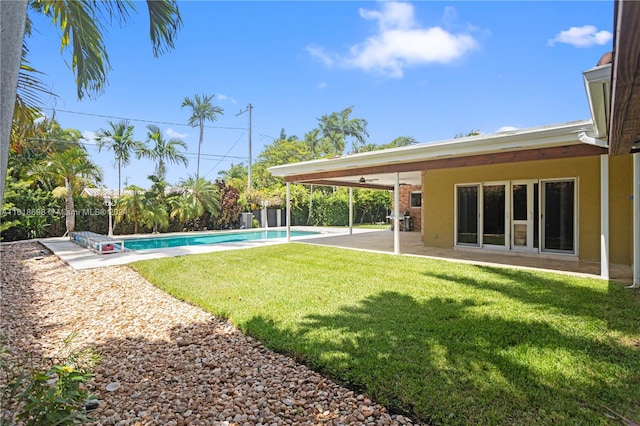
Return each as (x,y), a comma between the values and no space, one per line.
(47,391)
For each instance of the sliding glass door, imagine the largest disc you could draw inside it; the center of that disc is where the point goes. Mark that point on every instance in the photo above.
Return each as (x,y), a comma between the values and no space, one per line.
(526,215)
(467,223)
(559,216)
(494,215)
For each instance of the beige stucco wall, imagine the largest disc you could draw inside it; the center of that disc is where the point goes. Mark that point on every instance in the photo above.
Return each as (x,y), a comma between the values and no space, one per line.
(439,191)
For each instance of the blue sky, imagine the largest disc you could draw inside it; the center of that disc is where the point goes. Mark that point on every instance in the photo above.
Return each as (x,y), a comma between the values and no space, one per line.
(429,70)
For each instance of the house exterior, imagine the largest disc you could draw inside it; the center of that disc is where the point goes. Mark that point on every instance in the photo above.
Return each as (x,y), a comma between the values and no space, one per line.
(567,190)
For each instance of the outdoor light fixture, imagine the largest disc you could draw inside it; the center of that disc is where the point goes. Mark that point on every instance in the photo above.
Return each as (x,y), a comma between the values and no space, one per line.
(363,180)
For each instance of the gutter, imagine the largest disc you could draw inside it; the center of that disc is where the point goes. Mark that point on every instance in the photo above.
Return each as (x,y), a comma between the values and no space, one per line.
(592,141)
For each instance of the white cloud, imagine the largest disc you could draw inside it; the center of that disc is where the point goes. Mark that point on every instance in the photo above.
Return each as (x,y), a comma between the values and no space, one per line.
(225,98)
(173,134)
(398,43)
(320,54)
(585,36)
(89,136)
(322,85)
(506,129)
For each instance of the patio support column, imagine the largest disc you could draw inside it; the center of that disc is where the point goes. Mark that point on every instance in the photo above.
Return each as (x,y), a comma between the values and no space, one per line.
(636,220)
(288,214)
(396,214)
(604,216)
(350,211)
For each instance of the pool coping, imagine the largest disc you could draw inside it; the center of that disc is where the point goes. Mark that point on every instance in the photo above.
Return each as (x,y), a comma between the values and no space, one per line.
(82,258)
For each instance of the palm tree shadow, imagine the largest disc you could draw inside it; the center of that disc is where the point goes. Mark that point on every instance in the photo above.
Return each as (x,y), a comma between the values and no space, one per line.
(441,361)
(611,304)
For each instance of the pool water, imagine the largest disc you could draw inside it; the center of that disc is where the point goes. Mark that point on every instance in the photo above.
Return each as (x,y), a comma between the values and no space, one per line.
(193,240)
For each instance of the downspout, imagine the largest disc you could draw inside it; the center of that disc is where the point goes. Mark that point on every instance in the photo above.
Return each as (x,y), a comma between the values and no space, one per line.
(604,216)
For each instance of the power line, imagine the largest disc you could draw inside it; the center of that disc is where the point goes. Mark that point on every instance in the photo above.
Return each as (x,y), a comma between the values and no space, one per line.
(138,119)
(94,146)
(232,146)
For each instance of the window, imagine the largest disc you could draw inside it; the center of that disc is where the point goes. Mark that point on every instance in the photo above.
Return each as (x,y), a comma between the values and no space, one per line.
(559,220)
(416,200)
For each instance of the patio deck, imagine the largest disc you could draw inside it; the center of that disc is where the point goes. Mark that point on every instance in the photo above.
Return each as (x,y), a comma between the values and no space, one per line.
(411,244)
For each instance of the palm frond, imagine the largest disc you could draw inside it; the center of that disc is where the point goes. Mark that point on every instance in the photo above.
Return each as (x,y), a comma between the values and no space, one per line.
(164,23)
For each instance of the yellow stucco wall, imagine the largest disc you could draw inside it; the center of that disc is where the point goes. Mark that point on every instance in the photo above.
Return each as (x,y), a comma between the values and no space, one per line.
(439,193)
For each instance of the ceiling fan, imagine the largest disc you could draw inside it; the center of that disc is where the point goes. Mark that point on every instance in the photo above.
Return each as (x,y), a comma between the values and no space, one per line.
(363,180)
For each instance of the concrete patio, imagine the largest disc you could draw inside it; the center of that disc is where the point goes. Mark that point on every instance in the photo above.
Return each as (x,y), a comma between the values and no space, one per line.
(411,244)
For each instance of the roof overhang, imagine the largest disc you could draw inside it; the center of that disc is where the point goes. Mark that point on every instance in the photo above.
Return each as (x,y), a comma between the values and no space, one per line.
(378,168)
(624,125)
(597,82)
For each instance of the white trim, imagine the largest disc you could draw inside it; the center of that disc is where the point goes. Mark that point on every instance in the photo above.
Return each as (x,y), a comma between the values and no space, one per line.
(288,212)
(516,140)
(604,216)
(396,214)
(350,211)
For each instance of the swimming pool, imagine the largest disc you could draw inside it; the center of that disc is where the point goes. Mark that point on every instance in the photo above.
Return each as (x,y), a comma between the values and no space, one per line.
(193,240)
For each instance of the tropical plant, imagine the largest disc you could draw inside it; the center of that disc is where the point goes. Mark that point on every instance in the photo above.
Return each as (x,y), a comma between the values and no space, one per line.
(337,126)
(155,213)
(119,139)
(201,110)
(82,24)
(132,207)
(230,207)
(70,167)
(163,150)
(198,197)
(54,394)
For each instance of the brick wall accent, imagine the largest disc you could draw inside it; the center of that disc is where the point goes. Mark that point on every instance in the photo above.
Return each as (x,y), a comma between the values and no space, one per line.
(405,203)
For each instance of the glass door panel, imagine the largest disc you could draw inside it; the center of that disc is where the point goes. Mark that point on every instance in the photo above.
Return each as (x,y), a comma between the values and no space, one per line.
(494,215)
(467,215)
(559,216)
(520,216)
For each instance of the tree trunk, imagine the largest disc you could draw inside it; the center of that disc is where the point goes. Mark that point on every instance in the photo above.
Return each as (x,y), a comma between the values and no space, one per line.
(70,214)
(13,15)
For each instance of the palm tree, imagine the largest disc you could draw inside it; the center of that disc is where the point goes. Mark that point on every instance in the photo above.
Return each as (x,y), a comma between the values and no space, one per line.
(119,139)
(163,150)
(337,126)
(155,212)
(72,167)
(82,24)
(199,197)
(201,110)
(132,206)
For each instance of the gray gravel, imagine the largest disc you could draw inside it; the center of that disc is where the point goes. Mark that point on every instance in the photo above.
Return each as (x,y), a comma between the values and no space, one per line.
(164,362)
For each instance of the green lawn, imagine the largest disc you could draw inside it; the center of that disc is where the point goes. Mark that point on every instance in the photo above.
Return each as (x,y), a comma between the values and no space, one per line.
(439,341)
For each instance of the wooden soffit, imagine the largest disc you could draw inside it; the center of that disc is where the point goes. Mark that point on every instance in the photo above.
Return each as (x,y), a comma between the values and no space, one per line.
(324,177)
(624,126)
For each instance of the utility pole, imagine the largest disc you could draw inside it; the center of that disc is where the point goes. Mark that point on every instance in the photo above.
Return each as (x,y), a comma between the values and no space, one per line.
(249,108)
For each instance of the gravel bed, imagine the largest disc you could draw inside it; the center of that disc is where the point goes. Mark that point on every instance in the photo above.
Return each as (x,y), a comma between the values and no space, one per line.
(175,364)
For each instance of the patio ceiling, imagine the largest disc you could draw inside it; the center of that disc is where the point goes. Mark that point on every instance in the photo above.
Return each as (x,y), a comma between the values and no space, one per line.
(624,126)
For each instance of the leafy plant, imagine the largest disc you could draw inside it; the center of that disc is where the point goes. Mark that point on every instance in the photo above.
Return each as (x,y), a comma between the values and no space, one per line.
(45,391)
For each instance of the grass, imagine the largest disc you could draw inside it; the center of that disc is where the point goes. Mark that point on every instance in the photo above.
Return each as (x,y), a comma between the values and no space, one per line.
(445,343)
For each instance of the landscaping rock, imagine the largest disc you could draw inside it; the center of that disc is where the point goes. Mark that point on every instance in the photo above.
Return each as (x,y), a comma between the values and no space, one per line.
(164,361)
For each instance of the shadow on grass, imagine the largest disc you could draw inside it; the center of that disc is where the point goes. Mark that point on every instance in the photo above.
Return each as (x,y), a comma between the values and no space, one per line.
(440,361)
(614,305)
